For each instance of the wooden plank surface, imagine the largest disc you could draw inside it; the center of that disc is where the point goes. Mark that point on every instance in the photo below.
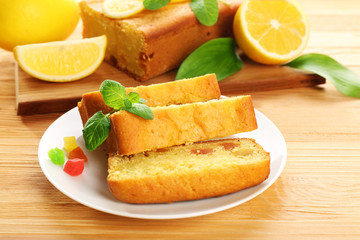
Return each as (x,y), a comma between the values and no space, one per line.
(316,197)
(34,96)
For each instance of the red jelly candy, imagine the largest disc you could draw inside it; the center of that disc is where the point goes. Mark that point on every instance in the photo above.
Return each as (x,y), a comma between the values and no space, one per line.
(74,167)
(77,153)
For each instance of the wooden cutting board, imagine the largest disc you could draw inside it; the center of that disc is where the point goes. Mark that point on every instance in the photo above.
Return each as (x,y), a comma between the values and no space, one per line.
(34,96)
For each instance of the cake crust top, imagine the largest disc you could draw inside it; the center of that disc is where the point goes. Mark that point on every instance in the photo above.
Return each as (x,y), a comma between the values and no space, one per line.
(167,18)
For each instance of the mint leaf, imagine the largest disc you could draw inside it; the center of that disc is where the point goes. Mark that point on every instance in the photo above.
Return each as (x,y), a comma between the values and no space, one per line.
(155,4)
(127,103)
(345,81)
(96,130)
(113,93)
(134,97)
(141,110)
(217,56)
(141,100)
(206,11)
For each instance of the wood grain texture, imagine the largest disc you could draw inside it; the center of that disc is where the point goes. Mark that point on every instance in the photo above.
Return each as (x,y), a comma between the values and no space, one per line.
(316,197)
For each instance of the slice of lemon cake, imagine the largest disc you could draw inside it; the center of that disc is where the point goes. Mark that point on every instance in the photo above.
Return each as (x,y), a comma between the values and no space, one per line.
(189,90)
(179,124)
(188,172)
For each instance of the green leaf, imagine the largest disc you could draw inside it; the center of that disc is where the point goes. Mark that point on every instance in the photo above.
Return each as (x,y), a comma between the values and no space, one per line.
(206,11)
(155,4)
(217,56)
(134,97)
(345,81)
(96,130)
(141,110)
(141,100)
(127,103)
(113,93)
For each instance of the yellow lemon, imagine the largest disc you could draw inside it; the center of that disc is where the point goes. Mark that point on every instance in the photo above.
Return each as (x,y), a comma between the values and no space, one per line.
(62,61)
(122,8)
(271,32)
(36,21)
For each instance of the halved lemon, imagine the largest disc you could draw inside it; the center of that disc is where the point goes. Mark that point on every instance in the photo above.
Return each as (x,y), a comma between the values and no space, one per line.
(62,61)
(271,32)
(122,8)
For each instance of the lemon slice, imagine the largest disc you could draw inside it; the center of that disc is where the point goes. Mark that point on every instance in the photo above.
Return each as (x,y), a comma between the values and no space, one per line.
(271,32)
(62,61)
(122,8)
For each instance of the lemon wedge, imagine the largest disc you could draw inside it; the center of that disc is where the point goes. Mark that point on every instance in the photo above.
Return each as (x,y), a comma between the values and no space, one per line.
(62,61)
(122,8)
(271,32)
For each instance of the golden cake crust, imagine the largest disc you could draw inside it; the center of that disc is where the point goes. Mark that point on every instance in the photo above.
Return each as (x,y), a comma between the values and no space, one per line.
(180,124)
(190,180)
(157,41)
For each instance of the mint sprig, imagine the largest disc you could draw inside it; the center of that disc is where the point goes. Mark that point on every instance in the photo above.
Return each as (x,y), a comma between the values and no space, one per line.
(97,128)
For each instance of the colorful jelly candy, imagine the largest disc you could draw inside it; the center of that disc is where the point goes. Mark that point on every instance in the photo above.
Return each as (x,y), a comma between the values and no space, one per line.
(74,167)
(77,153)
(57,156)
(70,143)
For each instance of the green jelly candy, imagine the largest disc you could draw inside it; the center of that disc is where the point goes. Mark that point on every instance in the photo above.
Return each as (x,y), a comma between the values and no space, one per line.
(57,156)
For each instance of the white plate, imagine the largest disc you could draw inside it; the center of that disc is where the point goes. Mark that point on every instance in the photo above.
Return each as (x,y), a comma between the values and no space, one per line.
(90,188)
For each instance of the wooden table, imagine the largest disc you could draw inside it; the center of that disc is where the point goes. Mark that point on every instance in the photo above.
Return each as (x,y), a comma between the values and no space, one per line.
(316,197)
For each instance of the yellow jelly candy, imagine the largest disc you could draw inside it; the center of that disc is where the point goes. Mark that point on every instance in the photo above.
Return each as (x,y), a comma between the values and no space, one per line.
(70,143)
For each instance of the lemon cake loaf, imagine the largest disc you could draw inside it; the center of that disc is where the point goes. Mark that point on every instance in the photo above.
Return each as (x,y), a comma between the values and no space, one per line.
(179,124)
(188,172)
(190,90)
(153,42)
